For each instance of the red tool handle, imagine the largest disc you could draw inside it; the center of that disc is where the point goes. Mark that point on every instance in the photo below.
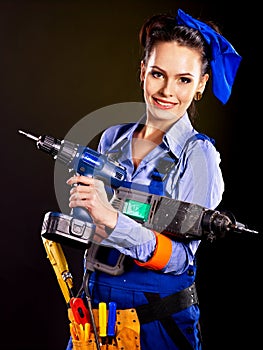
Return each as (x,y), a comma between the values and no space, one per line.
(79,310)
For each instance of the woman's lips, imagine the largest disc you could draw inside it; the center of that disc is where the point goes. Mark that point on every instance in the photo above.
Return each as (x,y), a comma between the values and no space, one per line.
(163,104)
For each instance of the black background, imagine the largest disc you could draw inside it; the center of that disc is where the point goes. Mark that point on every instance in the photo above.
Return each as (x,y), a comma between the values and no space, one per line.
(60,61)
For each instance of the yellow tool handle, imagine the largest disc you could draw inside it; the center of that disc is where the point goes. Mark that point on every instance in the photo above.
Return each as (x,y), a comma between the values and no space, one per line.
(57,259)
(102,319)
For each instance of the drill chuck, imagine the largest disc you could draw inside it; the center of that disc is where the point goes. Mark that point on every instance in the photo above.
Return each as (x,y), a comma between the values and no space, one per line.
(215,224)
(49,145)
(67,152)
(45,143)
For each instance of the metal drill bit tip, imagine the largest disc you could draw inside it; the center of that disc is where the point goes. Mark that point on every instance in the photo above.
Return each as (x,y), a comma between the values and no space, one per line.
(247,230)
(28,135)
(243,229)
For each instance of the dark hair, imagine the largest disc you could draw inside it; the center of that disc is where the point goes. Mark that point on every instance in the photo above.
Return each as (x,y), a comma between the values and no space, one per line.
(164,28)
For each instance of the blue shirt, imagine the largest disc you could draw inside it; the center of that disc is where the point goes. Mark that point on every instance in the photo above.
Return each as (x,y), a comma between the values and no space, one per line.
(196,178)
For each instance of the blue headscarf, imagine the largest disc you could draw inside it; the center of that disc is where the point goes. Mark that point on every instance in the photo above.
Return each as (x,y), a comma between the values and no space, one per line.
(224,61)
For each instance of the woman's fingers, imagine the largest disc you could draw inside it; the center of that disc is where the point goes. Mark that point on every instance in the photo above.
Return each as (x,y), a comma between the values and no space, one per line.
(90,194)
(77,179)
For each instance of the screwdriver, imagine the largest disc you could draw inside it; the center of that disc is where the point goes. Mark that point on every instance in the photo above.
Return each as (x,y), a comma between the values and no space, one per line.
(103,322)
(111,321)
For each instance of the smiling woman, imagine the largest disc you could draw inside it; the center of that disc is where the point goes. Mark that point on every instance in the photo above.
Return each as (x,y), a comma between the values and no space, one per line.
(170,68)
(171,79)
(180,54)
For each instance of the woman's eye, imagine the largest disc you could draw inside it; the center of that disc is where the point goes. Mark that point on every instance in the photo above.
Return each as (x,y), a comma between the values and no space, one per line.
(185,80)
(157,74)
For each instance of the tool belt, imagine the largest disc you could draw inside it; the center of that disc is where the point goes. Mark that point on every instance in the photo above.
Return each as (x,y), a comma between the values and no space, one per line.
(128,321)
(127,335)
(159,308)
(162,309)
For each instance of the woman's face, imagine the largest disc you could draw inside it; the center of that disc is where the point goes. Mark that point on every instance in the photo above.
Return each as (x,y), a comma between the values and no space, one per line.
(171,78)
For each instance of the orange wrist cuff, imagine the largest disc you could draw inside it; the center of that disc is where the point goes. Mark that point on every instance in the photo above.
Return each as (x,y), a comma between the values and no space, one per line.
(161,255)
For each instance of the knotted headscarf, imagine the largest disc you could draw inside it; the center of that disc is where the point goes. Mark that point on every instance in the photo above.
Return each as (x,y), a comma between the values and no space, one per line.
(224,61)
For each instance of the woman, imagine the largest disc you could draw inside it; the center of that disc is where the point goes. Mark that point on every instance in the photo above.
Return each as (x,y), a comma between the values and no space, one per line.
(179,54)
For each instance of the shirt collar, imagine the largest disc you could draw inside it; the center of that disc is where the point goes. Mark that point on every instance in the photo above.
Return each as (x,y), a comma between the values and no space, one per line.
(176,137)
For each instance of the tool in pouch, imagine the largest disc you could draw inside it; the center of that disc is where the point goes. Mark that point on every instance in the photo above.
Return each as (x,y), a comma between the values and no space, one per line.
(77,312)
(106,328)
(90,328)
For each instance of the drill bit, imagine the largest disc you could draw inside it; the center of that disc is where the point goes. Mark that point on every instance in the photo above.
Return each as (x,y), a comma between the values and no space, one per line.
(29,135)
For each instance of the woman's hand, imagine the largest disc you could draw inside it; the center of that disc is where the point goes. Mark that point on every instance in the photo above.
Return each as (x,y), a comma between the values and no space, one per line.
(91,195)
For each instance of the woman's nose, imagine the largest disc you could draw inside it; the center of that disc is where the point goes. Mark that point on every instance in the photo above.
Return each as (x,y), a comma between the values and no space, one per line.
(167,88)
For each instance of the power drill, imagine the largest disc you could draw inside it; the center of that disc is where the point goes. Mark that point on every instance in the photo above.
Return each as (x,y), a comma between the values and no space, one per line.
(174,218)
(83,160)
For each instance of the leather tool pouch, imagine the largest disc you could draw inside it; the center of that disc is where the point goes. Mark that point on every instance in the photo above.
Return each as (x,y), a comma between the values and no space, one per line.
(127,335)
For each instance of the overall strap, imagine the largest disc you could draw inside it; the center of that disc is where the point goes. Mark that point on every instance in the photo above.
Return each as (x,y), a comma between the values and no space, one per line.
(201,136)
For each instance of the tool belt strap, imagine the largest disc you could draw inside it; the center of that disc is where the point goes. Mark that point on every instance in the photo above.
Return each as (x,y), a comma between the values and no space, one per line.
(159,308)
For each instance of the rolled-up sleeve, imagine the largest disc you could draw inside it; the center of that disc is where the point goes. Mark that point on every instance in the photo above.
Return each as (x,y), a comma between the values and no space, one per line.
(150,249)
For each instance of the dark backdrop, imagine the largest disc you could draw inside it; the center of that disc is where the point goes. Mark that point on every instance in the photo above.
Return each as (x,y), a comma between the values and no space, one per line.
(60,61)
